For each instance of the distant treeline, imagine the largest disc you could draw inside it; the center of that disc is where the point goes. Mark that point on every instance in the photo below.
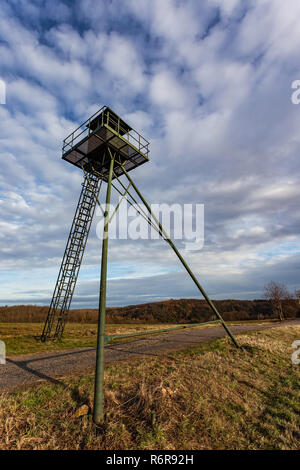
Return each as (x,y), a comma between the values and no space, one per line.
(170,311)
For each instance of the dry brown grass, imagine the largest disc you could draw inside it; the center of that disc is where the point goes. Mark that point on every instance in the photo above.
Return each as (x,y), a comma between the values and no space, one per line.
(24,338)
(208,397)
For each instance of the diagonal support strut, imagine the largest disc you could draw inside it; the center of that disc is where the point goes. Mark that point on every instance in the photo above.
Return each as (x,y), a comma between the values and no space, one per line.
(170,242)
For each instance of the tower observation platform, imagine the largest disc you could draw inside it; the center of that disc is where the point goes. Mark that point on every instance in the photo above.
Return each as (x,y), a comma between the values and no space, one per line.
(86,146)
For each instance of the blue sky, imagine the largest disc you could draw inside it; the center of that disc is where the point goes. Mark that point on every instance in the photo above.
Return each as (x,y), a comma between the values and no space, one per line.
(209,84)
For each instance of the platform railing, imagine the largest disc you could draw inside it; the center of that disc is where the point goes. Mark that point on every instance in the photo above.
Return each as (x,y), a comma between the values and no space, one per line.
(84,130)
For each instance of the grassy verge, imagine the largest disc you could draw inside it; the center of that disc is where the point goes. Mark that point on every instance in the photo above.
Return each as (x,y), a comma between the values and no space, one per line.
(212,396)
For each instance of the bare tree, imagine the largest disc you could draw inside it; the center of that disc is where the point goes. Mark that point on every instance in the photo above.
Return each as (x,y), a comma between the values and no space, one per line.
(297,294)
(276,293)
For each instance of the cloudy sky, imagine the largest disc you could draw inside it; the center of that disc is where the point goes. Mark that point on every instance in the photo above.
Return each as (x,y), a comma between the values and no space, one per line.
(209,83)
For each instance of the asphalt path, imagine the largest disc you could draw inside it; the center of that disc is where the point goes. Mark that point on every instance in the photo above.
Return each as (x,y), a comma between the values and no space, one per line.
(23,371)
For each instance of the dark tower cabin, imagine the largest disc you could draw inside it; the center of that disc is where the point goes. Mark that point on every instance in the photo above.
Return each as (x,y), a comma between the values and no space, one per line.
(88,147)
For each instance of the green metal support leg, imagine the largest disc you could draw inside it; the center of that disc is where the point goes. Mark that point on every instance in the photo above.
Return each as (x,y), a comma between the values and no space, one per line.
(99,374)
(167,238)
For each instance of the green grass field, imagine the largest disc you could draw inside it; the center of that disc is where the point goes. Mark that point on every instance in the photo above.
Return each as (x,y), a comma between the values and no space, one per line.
(212,396)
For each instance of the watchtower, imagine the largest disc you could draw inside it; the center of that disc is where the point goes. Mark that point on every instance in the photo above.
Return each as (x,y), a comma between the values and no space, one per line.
(105,148)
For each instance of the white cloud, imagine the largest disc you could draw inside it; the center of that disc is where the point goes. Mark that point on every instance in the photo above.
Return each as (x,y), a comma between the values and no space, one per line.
(211,93)
(166,91)
(271,28)
(31,96)
(69,41)
(227,8)
(121,60)
(175,21)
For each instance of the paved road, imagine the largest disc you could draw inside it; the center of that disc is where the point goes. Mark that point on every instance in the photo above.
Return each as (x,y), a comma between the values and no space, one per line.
(23,371)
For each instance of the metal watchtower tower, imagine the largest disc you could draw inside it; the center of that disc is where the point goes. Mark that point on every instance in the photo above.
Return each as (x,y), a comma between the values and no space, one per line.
(105,148)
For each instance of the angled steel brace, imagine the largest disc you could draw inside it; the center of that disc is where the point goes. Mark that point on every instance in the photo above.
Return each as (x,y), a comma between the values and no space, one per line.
(170,242)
